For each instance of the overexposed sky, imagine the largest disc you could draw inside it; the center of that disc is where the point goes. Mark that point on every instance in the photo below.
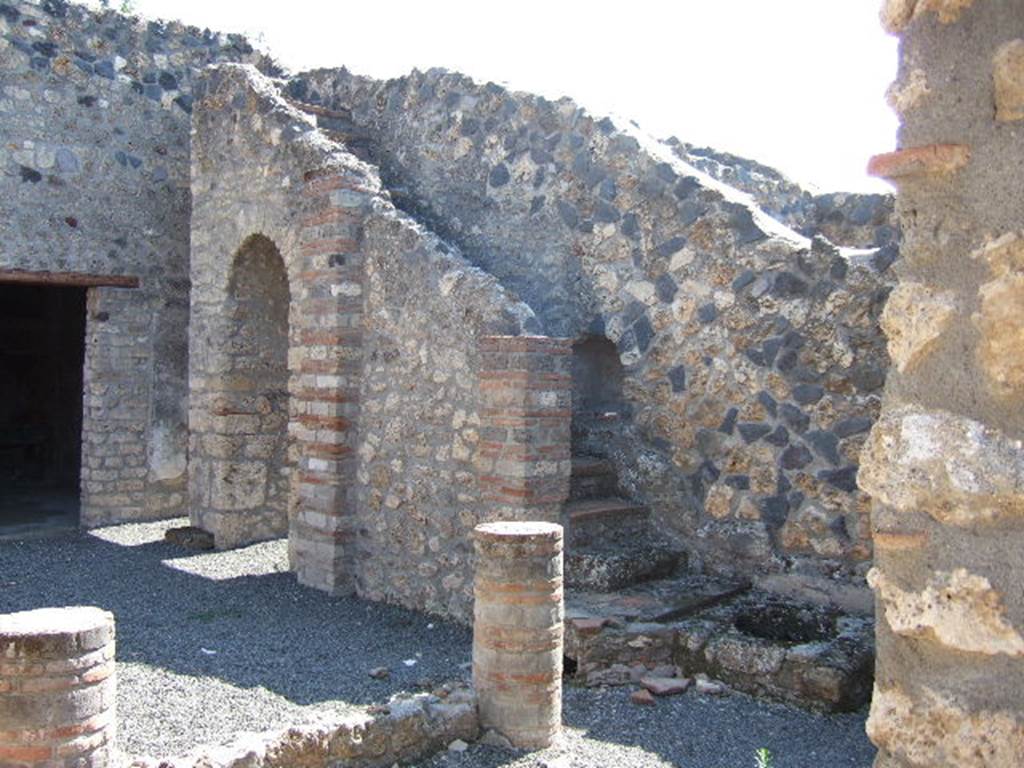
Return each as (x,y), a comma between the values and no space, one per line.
(795,84)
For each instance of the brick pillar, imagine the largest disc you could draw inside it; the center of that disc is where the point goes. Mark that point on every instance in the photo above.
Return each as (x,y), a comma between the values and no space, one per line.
(326,361)
(517,630)
(524,458)
(116,413)
(57,687)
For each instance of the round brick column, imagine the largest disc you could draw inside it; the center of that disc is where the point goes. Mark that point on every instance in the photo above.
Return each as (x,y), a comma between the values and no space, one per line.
(517,630)
(57,688)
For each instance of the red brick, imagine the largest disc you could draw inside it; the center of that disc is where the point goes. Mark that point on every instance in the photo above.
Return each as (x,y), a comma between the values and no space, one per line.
(917,161)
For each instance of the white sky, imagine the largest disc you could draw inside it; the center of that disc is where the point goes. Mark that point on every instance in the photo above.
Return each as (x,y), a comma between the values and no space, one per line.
(795,84)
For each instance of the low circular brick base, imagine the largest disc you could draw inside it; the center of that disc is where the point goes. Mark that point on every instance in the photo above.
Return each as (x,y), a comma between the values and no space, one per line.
(57,688)
(517,631)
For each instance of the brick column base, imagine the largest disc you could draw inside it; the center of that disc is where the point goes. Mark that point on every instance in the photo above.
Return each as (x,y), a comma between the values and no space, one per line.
(517,631)
(57,687)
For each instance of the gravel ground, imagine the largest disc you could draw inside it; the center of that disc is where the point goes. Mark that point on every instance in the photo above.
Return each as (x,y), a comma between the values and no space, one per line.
(213,643)
(605,730)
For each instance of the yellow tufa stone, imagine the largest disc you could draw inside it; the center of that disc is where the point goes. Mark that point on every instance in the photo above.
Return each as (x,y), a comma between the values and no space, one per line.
(931,729)
(896,14)
(959,471)
(1000,320)
(812,529)
(1008,77)
(959,609)
(913,320)
(903,96)
(948,11)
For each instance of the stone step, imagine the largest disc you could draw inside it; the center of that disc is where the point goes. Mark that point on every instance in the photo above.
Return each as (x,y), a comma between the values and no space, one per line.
(592,478)
(608,508)
(605,519)
(615,565)
(662,601)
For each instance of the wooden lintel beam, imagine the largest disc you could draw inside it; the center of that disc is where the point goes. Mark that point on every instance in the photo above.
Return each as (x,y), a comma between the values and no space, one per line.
(67,279)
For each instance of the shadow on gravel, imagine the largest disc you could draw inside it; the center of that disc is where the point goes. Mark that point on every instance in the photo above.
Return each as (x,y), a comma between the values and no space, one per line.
(235,617)
(248,630)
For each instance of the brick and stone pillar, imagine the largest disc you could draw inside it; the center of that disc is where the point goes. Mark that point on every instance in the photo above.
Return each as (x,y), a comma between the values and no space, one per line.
(945,461)
(326,359)
(517,630)
(57,687)
(525,455)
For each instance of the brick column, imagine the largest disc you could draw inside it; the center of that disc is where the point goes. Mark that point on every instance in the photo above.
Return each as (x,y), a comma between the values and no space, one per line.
(57,687)
(524,458)
(326,363)
(517,630)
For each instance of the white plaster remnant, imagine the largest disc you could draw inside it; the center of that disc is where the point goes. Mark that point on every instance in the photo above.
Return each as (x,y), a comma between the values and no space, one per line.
(346,289)
(959,471)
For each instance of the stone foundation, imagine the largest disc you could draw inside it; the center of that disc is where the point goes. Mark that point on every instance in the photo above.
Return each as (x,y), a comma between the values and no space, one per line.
(812,656)
(407,728)
(517,631)
(57,686)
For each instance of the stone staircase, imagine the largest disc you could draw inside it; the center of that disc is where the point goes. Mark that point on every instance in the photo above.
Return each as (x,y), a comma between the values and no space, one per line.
(610,544)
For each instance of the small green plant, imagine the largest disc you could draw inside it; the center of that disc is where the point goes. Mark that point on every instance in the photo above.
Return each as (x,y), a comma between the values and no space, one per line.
(127,7)
(763,758)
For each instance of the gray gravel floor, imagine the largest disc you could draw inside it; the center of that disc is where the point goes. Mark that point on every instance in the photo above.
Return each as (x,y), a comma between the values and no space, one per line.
(214,643)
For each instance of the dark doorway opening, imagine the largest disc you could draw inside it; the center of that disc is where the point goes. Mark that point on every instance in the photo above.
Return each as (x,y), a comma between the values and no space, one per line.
(42,350)
(598,405)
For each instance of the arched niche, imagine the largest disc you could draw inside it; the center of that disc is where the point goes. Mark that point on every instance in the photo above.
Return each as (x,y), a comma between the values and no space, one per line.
(250,480)
(598,405)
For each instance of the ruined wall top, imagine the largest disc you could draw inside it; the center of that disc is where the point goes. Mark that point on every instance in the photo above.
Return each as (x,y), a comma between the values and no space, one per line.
(847,219)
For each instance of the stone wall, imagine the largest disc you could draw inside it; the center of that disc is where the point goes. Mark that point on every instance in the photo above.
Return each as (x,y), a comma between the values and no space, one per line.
(383,429)
(423,420)
(945,462)
(95,173)
(753,360)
